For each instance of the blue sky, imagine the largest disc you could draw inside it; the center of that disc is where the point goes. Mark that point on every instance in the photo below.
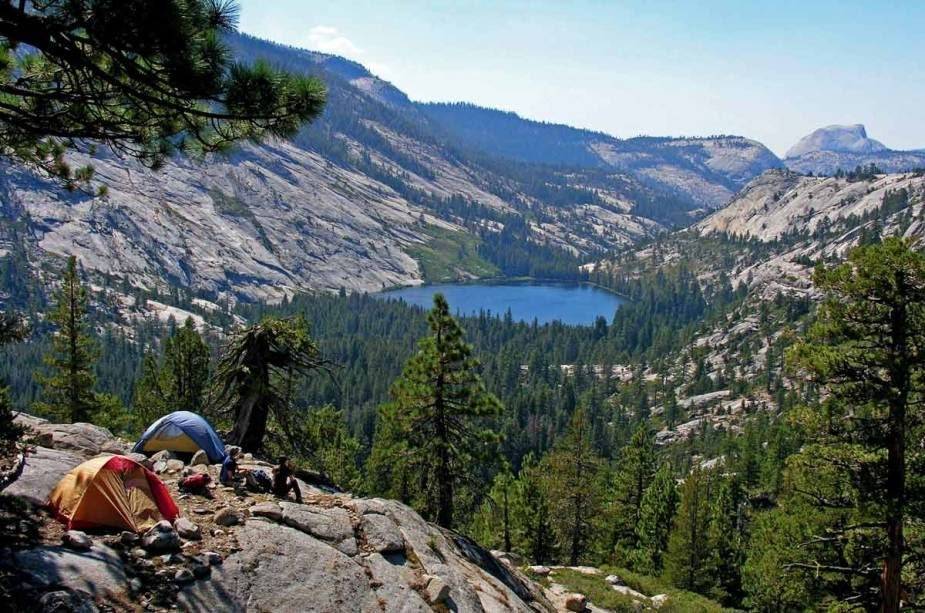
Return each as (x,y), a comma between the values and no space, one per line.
(773,71)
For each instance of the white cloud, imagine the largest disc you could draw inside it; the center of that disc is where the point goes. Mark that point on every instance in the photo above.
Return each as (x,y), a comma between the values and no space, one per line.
(329,39)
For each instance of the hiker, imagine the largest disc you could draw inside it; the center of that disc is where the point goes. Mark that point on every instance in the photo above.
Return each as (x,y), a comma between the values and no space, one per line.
(229,474)
(283,481)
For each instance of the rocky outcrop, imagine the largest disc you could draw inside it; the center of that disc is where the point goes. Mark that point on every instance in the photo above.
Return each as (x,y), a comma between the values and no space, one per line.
(332,553)
(359,555)
(80,437)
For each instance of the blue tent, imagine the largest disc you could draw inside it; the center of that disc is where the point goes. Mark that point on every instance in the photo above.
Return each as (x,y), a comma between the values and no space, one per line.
(183,432)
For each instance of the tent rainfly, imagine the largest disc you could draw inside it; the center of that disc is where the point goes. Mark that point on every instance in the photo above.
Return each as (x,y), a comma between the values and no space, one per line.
(112,492)
(183,432)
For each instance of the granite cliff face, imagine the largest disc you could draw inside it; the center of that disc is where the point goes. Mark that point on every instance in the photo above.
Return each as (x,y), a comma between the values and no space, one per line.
(353,199)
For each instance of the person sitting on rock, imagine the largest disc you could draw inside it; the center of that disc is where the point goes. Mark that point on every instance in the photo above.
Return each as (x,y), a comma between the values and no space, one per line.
(229,473)
(284,481)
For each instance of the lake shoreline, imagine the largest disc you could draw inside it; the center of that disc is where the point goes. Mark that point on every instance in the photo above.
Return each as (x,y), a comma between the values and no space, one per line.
(524,299)
(503,281)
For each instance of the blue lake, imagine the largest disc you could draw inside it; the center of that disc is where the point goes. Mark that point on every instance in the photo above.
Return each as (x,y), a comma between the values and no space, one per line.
(570,303)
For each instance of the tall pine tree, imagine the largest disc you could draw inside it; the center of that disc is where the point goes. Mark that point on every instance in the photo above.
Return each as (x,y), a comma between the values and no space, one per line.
(437,417)
(67,392)
(635,470)
(574,484)
(868,349)
(656,515)
(688,560)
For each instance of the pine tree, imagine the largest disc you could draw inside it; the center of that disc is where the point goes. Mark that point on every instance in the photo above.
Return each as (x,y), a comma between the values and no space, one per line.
(437,410)
(868,348)
(254,378)
(532,514)
(635,470)
(492,525)
(573,483)
(177,86)
(186,369)
(656,517)
(687,561)
(177,382)
(68,391)
(725,537)
(12,329)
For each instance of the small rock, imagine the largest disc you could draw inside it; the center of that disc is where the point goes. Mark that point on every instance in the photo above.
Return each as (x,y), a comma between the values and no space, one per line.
(175,466)
(217,532)
(162,537)
(171,558)
(201,571)
(66,601)
(75,539)
(436,590)
(201,511)
(140,458)
(508,557)
(659,600)
(187,529)
(199,457)
(42,439)
(576,602)
(542,571)
(270,510)
(184,576)
(128,538)
(138,552)
(614,580)
(248,457)
(213,559)
(227,517)
(162,456)
(160,467)
(382,535)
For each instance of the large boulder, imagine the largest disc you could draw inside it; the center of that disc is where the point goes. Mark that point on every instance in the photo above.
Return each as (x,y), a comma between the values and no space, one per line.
(88,439)
(41,473)
(282,569)
(381,534)
(98,572)
(331,525)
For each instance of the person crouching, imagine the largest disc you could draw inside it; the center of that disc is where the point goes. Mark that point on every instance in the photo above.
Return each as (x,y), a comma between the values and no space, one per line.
(284,481)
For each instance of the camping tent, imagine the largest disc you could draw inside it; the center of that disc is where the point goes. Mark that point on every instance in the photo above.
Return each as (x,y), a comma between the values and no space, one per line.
(183,432)
(112,491)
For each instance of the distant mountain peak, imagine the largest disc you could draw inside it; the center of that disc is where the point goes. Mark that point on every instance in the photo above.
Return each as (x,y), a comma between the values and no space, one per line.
(837,138)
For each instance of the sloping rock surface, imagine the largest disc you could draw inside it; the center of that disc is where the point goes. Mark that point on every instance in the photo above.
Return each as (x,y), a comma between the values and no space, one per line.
(333,553)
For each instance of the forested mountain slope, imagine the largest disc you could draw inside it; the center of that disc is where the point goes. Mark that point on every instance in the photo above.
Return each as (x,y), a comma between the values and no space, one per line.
(752,262)
(378,192)
(707,171)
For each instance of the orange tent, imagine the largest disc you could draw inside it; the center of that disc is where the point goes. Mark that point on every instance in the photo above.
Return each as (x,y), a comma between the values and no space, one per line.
(112,492)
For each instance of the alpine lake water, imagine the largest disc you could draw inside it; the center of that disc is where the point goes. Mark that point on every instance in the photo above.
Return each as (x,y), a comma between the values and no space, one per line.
(544,301)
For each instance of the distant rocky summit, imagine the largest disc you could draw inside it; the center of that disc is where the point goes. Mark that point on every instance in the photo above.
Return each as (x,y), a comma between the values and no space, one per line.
(843,139)
(829,149)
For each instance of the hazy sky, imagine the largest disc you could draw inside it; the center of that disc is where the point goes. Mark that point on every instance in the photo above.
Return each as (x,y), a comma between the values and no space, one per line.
(772,70)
